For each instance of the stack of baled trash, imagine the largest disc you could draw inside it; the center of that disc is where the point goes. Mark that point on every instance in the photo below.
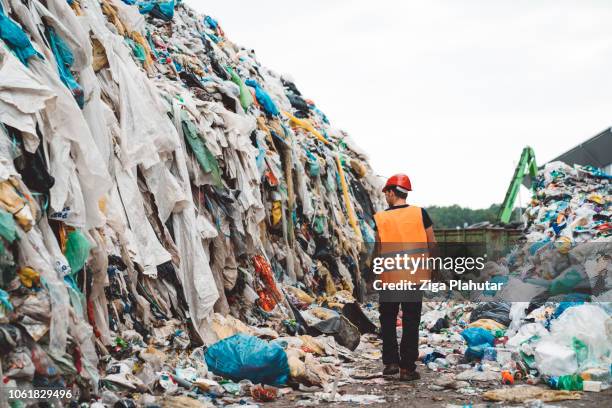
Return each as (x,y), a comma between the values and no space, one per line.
(156,181)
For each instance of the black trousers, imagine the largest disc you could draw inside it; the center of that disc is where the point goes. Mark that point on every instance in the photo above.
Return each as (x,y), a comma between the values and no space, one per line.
(409,346)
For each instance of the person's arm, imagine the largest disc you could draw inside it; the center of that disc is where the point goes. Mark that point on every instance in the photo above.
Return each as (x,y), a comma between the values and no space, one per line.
(433,252)
(431,236)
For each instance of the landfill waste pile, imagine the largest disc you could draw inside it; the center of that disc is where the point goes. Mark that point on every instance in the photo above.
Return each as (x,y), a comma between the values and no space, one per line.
(555,339)
(168,206)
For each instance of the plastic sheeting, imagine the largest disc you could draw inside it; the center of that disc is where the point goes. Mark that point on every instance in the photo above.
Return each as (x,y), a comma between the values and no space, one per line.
(164,190)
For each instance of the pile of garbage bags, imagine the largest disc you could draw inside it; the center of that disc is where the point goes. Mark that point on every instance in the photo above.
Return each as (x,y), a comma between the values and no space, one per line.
(156,179)
(552,322)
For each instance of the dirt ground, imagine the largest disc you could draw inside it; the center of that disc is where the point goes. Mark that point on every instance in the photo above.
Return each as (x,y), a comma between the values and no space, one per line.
(417,394)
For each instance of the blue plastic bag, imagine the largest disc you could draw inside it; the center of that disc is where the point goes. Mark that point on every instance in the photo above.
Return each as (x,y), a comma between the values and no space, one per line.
(563,306)
(478,339)
(65,58)
(263,98)
(247,357)
(163,10)
(16,39)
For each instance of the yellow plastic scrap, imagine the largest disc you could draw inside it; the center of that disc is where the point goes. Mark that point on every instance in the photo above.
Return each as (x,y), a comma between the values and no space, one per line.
(75,5)
(139,39)
(596,198)
(102,205)
(277,212)
(297,368)
(312,344)
(100,60)
(13,202)
(563,244)
(487,324)
(306,125)
(28,277)
(300,295)
(322,313)
(110,12)
(347,199)
(274,125)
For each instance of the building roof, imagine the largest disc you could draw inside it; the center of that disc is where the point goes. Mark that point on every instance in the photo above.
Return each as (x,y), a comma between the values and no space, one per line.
(597,151)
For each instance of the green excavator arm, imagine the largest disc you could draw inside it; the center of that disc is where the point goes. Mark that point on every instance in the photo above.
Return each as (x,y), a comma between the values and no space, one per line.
(527,165)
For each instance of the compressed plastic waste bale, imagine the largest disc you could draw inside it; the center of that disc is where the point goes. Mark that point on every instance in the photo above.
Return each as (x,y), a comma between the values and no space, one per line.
(247,357)
(585,323)
(478,339)
(555,359)
(77,250)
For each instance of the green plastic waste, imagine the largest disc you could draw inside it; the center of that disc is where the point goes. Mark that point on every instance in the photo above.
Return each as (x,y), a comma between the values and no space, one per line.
(246,98)
(565,282)
(119,342)
(319,223)
(77,250)
(568,382)
(8,229)
(137,49)
(581,350)
(205,158)
(499,333)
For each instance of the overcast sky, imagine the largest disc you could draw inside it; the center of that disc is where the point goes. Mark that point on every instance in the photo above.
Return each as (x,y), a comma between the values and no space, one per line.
(448,92)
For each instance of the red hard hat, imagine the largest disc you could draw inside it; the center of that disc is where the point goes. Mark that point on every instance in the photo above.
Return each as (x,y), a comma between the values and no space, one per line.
(399,181)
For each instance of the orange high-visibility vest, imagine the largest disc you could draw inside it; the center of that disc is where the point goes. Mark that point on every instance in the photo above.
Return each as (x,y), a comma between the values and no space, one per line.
(401,225)
(401,231)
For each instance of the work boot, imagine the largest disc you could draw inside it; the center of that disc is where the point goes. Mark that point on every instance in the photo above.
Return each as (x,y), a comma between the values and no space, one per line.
(391,369)
(406,375)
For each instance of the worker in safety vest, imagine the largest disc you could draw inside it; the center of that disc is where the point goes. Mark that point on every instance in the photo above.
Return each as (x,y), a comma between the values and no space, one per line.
(403,229)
